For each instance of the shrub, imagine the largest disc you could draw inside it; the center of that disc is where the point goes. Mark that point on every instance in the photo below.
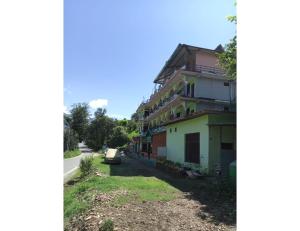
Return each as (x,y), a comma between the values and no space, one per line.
(123,148)
(86,165)
(108,225)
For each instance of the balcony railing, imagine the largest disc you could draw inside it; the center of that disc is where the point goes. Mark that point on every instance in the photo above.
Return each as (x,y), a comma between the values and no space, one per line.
(213,71)
(208,70)
(162,104)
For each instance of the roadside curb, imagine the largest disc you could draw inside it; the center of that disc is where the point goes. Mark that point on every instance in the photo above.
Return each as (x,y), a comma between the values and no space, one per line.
(68,175)
(74,157)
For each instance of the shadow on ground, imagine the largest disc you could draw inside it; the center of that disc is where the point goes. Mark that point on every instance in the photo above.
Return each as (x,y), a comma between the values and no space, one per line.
(219,200)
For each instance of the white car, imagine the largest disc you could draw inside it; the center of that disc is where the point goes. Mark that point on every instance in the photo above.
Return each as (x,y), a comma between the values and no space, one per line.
(112,156)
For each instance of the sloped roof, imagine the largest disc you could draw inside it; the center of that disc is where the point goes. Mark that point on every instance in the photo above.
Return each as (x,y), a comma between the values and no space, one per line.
(178,52)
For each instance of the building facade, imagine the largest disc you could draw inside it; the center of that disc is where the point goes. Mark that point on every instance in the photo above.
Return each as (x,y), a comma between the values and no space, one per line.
(176,121)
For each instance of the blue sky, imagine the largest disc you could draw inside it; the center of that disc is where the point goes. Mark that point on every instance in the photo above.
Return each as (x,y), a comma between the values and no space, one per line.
(113,49)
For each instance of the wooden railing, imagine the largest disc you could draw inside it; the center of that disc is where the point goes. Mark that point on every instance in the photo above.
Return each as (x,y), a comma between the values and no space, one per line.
(197,68)
(208,69)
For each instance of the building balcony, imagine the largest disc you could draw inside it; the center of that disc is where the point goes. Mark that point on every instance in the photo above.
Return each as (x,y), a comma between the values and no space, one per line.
(180,100)
(171,101)
(172,78)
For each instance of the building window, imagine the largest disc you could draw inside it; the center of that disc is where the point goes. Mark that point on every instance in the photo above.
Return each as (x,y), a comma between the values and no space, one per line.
(227,146)
(188,87)
(226,84)
(170,130)
(226,108)
(175,129)
(177,114)
(192,147)
(192,90)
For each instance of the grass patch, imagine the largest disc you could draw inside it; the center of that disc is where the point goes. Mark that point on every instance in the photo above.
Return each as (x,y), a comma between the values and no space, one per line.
(79,197)
(70,154)
(108,225)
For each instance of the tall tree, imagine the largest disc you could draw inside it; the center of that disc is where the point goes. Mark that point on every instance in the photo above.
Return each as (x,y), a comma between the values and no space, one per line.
(70,136)
(80,119)
(100,112)
(99,130)
(119,137)
(227,58)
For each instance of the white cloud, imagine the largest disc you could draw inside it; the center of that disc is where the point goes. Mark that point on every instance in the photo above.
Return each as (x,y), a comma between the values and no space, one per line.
(116,116)
(96,103)
(66,110)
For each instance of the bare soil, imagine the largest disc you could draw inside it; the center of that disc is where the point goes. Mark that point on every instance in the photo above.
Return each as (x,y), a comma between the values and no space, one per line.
(179,214)
(186,212)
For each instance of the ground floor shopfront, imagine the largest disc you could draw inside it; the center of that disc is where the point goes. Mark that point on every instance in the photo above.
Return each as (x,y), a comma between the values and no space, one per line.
(206,143)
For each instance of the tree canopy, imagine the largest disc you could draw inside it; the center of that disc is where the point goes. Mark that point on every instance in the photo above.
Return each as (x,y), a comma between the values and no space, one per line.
(80,119)
(105,130)
(227,58)
(70,136)
(119,137)
(96,131)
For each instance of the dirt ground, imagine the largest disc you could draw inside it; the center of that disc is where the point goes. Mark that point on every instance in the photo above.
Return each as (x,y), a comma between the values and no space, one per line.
(179,214)
(186,212)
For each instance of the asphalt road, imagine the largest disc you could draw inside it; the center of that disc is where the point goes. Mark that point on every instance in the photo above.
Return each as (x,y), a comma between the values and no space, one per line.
(72,163)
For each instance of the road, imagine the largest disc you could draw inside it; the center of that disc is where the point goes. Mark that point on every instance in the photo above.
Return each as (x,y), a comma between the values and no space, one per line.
(73,163)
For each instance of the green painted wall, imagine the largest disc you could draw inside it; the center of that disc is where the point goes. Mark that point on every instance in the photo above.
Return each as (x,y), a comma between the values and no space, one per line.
(176,141)
(219,134)
(214,148)
(210,139)
(227,118)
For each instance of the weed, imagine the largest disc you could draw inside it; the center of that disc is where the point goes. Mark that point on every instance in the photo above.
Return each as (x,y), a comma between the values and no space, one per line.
(86,165)
(108,225)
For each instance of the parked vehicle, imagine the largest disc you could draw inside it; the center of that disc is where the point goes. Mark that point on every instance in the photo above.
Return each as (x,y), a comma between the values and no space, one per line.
(112,156)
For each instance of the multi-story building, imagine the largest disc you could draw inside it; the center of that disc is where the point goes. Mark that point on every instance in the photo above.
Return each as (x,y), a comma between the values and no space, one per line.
(190,116)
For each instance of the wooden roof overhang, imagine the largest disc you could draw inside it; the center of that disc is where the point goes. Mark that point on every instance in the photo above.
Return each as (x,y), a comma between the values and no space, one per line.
(183,54)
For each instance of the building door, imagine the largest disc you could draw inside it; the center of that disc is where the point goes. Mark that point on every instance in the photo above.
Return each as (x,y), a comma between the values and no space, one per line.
(192,147)
(228,155)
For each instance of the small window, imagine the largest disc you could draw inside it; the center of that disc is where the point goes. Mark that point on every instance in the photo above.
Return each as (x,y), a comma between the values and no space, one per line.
(178,115)
(188,87)
(227,146)
(226,84)
(175,129)
(192,90)
(170,130)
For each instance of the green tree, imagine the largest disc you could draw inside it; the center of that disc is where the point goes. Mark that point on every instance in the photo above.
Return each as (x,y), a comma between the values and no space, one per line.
(100,112)
(70,136)
(123,122)
(80,119)
(227,58)
(118,138)
(70,139)
(100,130)
(131,126)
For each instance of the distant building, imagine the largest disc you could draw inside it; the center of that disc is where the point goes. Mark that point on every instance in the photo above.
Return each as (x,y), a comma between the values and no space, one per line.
(190,117)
